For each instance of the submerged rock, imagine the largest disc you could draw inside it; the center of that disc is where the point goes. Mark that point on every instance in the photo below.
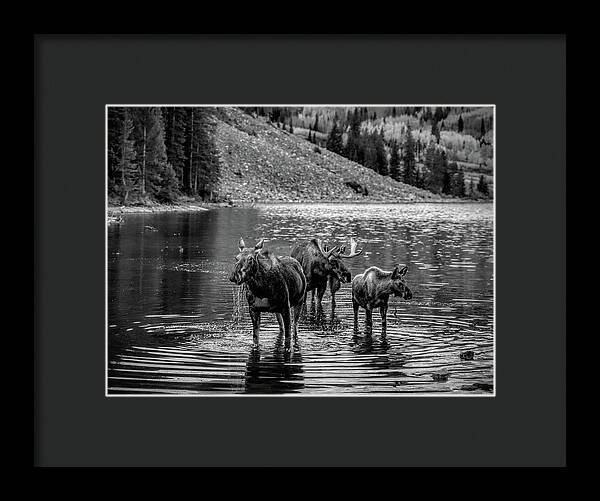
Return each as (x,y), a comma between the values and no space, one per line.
(478,386)
(467,355)
(441,375)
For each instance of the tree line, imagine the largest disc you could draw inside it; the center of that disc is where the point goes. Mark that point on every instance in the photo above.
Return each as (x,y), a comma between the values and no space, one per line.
(435,173)
(160,153)
(420,161)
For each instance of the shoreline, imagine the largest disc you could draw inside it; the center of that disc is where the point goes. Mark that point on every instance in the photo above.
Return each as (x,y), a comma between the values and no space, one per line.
(204,206)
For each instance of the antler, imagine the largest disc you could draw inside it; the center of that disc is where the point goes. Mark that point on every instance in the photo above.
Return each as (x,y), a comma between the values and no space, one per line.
(353,252)
(326,253)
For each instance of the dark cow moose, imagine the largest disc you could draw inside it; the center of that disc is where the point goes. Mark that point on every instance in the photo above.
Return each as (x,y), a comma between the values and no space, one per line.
(274,284)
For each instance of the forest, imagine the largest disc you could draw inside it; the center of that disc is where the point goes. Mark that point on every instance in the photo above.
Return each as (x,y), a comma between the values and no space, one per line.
(161,154)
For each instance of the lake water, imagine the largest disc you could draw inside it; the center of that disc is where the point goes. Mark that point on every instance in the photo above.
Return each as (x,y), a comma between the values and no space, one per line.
(177,325)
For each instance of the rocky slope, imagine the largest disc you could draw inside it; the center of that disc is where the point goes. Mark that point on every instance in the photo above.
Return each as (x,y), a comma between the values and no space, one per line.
(262,163)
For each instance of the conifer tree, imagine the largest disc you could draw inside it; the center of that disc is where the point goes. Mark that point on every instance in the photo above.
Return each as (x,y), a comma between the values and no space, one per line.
(151,150)
(395,172)
(175,119)
(353,144)
(381,155)
(482,186)
(334,139)
(435,131)
(459,184)
(122,152)
(408,158)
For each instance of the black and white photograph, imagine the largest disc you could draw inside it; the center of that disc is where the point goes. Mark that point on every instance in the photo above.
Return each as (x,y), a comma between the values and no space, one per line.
(298,250)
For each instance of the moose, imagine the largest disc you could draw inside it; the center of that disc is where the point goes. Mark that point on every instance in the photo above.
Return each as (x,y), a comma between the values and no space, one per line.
(274,284)
(373,288)
(323,267)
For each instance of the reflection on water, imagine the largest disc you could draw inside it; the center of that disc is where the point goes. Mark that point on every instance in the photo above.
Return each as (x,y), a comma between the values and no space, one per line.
(178,326)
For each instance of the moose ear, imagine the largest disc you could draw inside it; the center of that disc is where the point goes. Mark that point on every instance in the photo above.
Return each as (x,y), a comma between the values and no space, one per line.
(241,244)
(399,272)
(258,247)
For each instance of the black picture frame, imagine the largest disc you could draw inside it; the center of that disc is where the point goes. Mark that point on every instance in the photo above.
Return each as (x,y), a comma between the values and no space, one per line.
(523,425)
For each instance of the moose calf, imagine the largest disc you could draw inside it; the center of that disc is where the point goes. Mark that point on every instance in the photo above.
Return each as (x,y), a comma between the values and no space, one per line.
(373,288)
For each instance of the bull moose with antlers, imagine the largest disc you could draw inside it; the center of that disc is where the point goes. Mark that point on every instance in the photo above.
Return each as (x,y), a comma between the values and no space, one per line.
(323,266)
(274,284)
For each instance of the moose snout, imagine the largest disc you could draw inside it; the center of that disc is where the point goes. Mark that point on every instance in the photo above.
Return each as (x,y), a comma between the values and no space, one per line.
(407,294)
(234,277)
(346,277)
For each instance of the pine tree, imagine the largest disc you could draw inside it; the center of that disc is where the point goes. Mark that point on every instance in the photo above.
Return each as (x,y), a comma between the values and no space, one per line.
(408,158)
(395,162)
(435,131)
(291,126)
(459,184)
(205,162)
(151,150)
(309,134)
(482,186)
(434,166)
(369,151)
(316,125)
(122,152)
(190,147)
(461,124)
(168,191)
(381,155)
(175,120)
(482,131)
(449,178)
(353,144)
(335,142)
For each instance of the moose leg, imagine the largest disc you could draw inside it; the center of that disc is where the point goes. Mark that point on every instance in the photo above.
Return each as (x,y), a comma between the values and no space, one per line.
(383,312)
(297,311)
(305,305)
(369,320)
(355,306)
(280,322)
(333,290)
(286,316)
(255,315)
(320,293)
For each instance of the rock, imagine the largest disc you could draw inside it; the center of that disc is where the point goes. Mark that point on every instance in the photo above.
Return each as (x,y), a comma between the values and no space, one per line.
(467,355)
(441,375)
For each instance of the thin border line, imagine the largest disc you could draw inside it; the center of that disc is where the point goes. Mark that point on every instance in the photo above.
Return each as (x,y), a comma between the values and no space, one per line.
(301,395)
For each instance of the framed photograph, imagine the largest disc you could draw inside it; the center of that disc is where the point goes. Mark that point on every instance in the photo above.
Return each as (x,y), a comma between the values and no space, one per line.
(245,244)
(228,253)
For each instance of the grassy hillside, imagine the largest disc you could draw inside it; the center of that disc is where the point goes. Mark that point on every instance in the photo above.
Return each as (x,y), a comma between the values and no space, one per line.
(263,163)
